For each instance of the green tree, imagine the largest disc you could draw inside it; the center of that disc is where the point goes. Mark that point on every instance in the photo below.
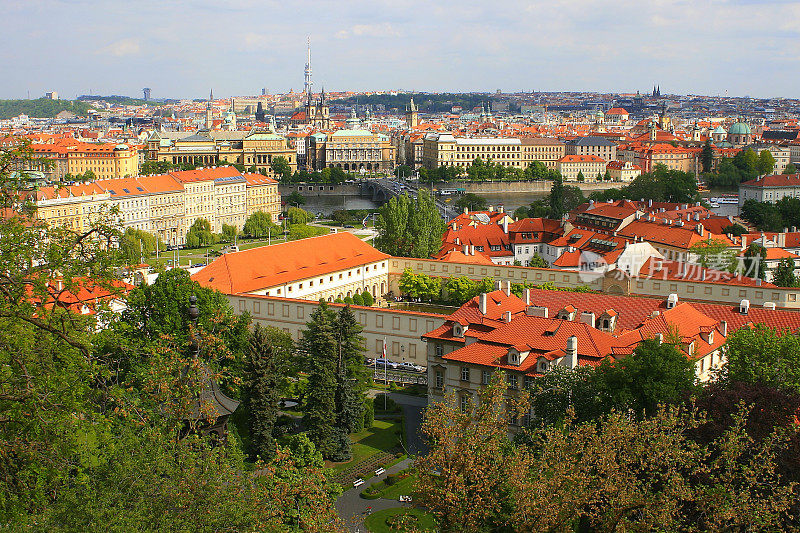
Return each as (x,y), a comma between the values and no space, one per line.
(229,232)
(790,169)
(538,261)
(765,163)
(200,234)
(296,199)
(763,355)
(410,228)
(260,393)
(460,290)
(656,373)
(427,288)
(137,245)
(369,301)
(754,261)
(714,253)
(471,201)
(736,230)
(280,166)
(556,199)
(358,299)
(258,224)
(783,275)
(707,156)
(581,178)
(318,345)
(297,215)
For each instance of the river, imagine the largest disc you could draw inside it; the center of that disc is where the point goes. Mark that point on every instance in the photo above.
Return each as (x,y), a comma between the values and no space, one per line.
(509,201)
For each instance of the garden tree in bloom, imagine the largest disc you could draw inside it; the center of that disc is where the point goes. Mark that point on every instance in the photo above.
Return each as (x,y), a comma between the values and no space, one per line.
(613,473)
(95,436)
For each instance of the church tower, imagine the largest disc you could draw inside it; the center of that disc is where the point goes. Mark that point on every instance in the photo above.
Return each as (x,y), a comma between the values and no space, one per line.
(209,114)
(412,115)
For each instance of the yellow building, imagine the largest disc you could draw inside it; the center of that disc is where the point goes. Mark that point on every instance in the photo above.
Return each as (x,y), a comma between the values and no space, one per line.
(263,195)
(443,149)
(545,150)
(570,166)
(106,161)
(74,207)
(254,148)
(351,150)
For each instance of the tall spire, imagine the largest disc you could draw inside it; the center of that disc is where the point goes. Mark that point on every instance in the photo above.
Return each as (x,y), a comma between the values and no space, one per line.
(307,84)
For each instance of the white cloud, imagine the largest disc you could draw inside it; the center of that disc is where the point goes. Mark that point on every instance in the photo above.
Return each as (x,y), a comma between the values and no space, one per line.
(383,29)
(121,48)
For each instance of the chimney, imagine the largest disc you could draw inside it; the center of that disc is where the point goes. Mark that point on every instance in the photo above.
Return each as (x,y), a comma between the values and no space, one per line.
(672,300)
(650,203)
(723,328)
(782,238)
(465,249)
(571,358)
(471,249)
(655,314)
(769,305)
(744,242)
(466,210)
(758,282)
(527,297)
(507,317)
(508,288)
(793,228)
(587,317)
(491,208)
(699,229)
(498,285)
(501,209)
(703,274)
(458,240)
(535,310)
(505,225)
(482,303)
(660,338)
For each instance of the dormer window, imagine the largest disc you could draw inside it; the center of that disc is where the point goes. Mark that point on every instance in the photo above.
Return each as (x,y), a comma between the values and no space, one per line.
(513,357)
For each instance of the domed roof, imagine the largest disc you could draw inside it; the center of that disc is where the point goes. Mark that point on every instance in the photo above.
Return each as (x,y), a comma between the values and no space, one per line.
(740,128)
(718,129)
(600,113)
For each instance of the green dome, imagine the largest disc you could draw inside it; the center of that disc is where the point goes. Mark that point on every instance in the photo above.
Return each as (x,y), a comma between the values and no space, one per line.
(740,128)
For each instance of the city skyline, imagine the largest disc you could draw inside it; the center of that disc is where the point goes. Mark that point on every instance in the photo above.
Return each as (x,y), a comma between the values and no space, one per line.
(180,49)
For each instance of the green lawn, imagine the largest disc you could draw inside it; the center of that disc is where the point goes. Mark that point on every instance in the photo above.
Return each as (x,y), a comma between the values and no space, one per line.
(377,521)
(382,436)
(404,487)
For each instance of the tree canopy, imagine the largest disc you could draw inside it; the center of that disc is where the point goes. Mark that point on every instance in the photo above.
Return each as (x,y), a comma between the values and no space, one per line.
(410,228)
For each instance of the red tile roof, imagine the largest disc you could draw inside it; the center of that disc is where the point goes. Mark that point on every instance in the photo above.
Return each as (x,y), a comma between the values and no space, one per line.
(268,266)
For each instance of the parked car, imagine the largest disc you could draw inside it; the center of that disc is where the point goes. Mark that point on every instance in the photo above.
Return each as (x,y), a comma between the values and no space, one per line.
(381,363)
(229,248)
(407,365)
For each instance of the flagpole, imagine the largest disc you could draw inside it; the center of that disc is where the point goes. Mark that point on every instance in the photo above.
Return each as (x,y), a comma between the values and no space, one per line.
(385,374)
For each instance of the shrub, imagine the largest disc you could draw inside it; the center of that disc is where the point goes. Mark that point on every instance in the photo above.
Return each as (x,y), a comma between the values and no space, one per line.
(348,300)
(358,299)
(369,414)
(391,479)
(391,406)
(368,299)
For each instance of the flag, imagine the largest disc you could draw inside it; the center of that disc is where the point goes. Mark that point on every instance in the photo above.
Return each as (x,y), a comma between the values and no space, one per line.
(385,363)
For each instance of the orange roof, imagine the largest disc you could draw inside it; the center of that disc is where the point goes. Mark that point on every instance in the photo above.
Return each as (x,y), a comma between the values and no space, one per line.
(581,159)
(258,179)
(268,266)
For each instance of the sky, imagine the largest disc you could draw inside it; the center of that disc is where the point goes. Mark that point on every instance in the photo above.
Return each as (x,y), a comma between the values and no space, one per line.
(183,48)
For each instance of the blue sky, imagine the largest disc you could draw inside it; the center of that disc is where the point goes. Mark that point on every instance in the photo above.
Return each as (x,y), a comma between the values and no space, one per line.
(181,48)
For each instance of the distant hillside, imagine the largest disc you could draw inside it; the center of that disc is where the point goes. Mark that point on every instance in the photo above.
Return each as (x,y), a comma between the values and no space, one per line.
(427,103)
(116,99)
(41,108)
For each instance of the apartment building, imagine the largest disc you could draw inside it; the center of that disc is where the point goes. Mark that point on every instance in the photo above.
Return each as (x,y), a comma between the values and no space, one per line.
(74,207)
(548,151)
(262,195)
(443,149)
(572,167)
(591,145)
(69,156)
